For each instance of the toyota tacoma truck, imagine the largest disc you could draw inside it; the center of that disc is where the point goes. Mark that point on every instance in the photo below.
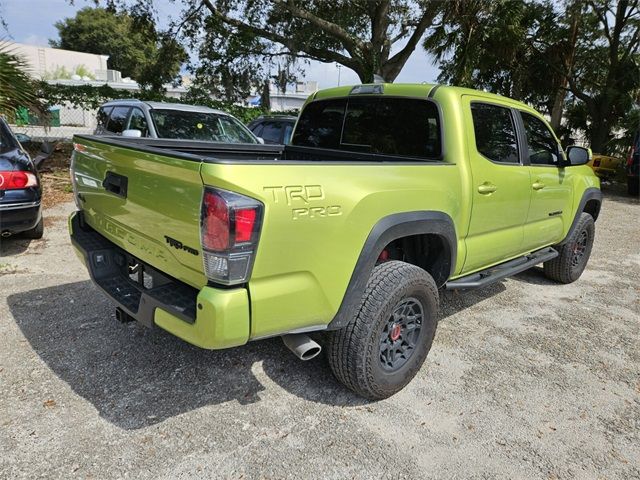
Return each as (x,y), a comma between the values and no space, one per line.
(386,194)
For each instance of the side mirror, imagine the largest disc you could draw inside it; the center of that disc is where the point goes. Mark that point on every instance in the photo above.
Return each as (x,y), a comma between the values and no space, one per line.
(260,140)
(578,155)
(132,133)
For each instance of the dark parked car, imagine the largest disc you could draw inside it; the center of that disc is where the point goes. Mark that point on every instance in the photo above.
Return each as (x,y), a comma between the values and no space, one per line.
(633,167)
(274,129)
(20,190)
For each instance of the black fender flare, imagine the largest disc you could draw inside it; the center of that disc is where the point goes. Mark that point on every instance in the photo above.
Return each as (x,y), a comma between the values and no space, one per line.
(387,229)
(590,193)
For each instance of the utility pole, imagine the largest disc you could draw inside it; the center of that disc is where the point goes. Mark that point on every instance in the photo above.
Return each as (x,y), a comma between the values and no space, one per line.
(339,67)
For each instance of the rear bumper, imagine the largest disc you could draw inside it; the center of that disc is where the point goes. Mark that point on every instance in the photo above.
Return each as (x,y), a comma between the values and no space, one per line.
(208,318)
(19,217)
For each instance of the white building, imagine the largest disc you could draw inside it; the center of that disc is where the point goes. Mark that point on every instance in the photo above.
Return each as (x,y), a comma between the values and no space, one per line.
(45,61)
(292,99)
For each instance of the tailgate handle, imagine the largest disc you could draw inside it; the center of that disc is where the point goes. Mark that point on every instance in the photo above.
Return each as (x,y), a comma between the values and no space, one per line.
(116,184)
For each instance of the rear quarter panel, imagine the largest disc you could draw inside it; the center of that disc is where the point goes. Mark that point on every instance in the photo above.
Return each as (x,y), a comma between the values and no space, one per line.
(317,218)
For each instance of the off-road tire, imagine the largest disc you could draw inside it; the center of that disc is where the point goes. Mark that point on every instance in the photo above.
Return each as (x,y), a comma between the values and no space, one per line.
(566,268)
(354,352)
(36,232)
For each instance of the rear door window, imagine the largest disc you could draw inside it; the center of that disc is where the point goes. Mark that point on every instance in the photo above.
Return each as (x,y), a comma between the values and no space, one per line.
(390,126)
(103,118)
(137,121)
(495,132)
(118,119)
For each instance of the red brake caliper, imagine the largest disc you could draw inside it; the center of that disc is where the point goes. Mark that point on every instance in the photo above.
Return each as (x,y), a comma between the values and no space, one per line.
(395,332)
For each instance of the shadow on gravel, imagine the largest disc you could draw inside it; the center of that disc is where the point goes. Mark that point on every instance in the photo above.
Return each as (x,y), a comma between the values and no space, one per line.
(13,245)
(454,301)
(136,377)
(534,276)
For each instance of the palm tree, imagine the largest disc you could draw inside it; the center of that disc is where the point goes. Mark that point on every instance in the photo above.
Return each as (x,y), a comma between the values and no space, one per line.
(17,89)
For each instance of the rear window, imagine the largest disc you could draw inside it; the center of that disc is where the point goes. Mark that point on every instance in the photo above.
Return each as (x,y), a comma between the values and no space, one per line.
(400,127)
(7,140)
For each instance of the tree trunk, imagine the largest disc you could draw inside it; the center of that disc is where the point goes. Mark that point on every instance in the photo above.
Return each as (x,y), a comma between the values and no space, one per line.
(265,98)
(599,132)
(558,103)
(558,108)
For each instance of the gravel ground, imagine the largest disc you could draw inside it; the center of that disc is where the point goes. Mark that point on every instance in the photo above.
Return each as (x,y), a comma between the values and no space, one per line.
(526,379)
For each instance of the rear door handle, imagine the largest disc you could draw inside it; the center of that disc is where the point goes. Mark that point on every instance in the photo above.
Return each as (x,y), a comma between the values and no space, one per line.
(538,185)
(116,184)
(486,188)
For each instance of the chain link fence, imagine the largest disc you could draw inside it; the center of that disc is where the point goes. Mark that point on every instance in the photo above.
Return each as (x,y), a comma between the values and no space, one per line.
(63,123)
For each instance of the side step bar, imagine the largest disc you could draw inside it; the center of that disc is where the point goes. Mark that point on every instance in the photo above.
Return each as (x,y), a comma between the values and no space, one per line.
(503,270)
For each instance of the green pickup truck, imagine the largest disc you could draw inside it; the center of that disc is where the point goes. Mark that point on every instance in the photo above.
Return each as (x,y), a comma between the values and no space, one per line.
(386,194)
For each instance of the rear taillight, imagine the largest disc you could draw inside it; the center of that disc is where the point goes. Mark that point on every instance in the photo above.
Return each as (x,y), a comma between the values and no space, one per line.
(16,180)
(229,230)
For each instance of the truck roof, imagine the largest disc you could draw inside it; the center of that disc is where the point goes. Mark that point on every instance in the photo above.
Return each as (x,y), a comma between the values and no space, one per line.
(416,90)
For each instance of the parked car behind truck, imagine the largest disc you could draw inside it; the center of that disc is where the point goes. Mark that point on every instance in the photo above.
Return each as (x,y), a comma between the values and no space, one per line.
(135,118)
(273,129)
(20,189)
(386,194)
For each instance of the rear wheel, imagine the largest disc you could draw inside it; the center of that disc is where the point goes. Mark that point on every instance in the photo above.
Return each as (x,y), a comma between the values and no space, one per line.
(384,346)
(574,253)
(36,232)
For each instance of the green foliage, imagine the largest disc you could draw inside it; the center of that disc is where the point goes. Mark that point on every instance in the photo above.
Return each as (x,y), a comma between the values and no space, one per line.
(90,97)
(16,87)
(83,71)
(582,54)
(58,73)
(134,46)
(241,43)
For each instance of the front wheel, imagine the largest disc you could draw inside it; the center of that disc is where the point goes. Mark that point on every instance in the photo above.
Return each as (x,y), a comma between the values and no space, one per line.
(384,346)
(574,253)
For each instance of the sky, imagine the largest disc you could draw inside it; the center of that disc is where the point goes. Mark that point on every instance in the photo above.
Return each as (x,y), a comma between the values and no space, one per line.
(32,22)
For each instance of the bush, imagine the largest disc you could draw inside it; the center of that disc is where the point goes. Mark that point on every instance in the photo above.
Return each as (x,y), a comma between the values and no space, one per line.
(89,97)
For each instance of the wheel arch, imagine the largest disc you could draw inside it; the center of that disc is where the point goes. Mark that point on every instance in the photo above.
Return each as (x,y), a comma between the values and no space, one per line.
(590,203)
(387,230)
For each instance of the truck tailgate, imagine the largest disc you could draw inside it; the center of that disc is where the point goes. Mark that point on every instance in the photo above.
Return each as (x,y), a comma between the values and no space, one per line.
(147,204)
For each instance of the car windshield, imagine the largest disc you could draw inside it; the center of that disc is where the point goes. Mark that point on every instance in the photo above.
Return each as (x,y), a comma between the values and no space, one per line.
(210,127)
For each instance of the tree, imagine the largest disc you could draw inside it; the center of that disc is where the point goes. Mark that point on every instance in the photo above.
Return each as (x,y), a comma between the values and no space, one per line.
(546,52)
(16,87)
(371,37)
(133,44)
(605,75)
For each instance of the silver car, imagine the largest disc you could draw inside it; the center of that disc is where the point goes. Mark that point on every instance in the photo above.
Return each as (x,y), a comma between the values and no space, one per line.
(136,118)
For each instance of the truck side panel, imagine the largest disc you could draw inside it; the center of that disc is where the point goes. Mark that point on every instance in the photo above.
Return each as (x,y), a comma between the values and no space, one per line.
(315,226)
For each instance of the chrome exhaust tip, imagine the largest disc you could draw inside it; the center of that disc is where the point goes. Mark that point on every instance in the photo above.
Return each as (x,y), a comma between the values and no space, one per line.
(302,346)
